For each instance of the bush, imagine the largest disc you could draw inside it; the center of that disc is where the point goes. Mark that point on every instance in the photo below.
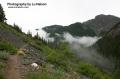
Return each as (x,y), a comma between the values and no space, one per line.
(1,76)
(20,52)
(6,46)
(1,71)
(47,73)
(63,59)
(4,55)
(116,74)
(91,71)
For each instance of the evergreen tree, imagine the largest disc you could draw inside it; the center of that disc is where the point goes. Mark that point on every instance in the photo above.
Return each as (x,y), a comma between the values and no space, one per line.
(17,28)
(29,33)
(2,14)
(37,36)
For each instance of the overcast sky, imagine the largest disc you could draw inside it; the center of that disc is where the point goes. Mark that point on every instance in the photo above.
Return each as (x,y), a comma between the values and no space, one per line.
(61,12)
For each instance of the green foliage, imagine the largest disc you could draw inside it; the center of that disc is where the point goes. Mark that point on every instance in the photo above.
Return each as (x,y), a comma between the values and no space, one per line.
(9,28)
(58,57)
(37,36)
(1,73)
(29,33)
(76,29)
(43,75)
(1,76)
(116,74)
(62,58)
(2,66)
(2,14)
(109,45)
(39,39)
(17,28)
(91,71)
(4,55)
(6,46)
(46,73)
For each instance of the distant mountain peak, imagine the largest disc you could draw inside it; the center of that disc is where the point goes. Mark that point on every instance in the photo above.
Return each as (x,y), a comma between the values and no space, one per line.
(104,16)
(102,23)
(97,26)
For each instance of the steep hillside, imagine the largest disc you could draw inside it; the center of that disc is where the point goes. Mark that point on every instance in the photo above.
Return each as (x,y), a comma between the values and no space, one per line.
(11,35)
(14,42)
(58,63)
(109,46)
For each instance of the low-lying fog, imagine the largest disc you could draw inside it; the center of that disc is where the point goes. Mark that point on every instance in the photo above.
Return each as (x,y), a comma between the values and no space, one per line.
(81,46)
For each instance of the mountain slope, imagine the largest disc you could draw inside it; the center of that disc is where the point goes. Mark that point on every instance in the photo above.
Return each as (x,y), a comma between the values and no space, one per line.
(75,29)
(97,26)
(11,35)
(17,43)
(102,23)
(109,45)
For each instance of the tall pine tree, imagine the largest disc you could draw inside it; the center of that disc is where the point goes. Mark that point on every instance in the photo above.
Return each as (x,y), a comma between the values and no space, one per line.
(2,14)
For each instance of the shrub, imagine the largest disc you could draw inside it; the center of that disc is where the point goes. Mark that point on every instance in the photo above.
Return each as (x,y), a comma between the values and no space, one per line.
(47,73)
(1,76)
(116,74)
(6,46)
(1,72)
(91,71)
(63,59)
(20,52)
(4,55)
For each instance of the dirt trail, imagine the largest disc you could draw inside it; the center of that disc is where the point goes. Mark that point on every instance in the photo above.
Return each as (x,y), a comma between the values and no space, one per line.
(13,67)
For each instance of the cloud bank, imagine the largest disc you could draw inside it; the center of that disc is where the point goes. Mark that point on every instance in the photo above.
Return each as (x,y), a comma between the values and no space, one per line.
(81,47)
(85,41)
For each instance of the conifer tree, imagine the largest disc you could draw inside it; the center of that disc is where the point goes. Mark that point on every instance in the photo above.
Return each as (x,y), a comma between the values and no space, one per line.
(2,14)
(29,33)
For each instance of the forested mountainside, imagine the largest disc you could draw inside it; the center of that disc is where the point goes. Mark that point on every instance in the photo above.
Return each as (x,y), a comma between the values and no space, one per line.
(76,29)
(97,26)
(109,45)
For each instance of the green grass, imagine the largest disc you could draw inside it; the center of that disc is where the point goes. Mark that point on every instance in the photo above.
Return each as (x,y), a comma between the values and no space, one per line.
(116,74)
(2,66)
(6,46)
(20,34)
(4,55)
(46,73)
(92,71)
(9,28)
(62,58)
(1,76)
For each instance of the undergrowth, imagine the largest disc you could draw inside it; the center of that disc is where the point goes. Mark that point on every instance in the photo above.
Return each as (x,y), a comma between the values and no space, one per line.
(66,62)
(6,46)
